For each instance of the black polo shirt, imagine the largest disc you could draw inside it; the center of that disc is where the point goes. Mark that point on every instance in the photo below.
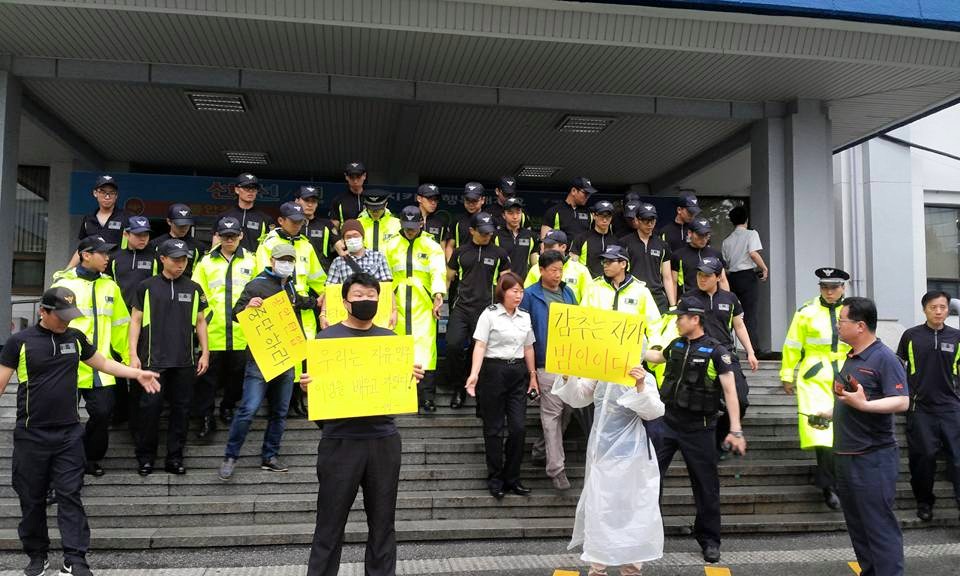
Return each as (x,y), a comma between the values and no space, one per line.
(878,370)
(131,267)
(685,262)
(518,247)
(192,258)
(646,259)
(436,226)
(322,236)
(478,268)
(588,247)
(167,335)
(572,220)
(255,223)
(112,229)
(675,235)
(346,206)
(722,308)
(931,357)
(460,231)
(46,365)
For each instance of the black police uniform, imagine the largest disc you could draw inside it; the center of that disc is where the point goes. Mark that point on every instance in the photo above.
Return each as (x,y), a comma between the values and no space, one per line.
(573,220)
(596,243)
(255,223)
(436,226)
(692,393)
(48,438)
(192,258)
(111,230)
(646,259)
(868,461)
(322,236)
(519,247)
(129,268)
(346,206)
(167,345)
(675,235)
(686,260)
(495,209)
(933,422)
(460,231)
(478,268)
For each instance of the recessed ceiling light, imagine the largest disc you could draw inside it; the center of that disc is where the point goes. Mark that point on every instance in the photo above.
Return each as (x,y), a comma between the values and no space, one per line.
(217,102)
(585,124)
(249,158)
(528,171)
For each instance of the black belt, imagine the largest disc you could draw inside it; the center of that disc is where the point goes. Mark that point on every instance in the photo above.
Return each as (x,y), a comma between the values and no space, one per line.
(505,361)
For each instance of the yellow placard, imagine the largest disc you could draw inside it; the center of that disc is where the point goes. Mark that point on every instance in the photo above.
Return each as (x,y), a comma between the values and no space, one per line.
(337,313)
(593,343)
(274,335)
(365,376)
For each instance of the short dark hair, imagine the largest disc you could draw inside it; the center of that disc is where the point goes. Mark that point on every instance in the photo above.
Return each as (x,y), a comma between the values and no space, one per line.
(933,295)
(738,215)
(550,257)
(862,310)
(507,281)
(363,279)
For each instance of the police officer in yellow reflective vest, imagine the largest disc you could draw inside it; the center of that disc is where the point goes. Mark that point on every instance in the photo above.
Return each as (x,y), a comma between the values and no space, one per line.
(419,279)
(222,273)
(104,322)
(575,275)
(812,357)
(379,224)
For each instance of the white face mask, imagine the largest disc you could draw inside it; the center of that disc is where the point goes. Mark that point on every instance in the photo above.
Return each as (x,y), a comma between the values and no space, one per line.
(284,269)
(354,244)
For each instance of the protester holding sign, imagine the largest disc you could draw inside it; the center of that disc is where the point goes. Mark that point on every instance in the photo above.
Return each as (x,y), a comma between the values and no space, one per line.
(355,452)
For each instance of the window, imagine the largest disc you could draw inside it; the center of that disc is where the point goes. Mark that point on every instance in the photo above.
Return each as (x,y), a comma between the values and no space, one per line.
(30,243)
(942,225)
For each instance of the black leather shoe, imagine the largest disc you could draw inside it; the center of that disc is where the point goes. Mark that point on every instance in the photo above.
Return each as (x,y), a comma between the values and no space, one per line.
(175,468)
(830,499)
(226,416)
(428,406)
(93,469)
(208,427)
(496,492)
(457,401)
(711,554)
(925,512)
(519,489)
(145,469)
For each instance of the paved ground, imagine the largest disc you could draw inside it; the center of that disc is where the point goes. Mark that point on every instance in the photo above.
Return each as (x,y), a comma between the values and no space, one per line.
(932,552)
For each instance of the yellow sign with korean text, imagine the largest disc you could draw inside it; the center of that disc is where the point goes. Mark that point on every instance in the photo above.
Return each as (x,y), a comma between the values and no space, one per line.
(337,313)
(274,335)
(364,376)
(593,343)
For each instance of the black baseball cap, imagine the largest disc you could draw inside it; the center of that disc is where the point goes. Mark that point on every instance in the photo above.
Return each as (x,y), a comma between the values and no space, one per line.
(603,206)
(355,168)
(293,211)
(62,302)
(138,225)
(410,218)
(180,214)
(512,202)
(229,226)
(375,198)
(174,248)
(690,202)
(689,305)
(247,180)
(482,222)
(555,237)
(95,243)
(632,195)
(614,252)
(507,185)
(105,180)
(700,226)
(308,192)
(473,190)
(583,183)
(640,210)
(428,190)
(710,265)
(831,275)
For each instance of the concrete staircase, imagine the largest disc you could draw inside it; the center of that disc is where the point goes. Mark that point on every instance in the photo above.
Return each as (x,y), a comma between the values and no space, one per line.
(442,487)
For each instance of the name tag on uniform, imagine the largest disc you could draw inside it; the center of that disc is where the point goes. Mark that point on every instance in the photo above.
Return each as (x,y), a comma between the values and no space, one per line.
(113,225)
(488,261)
(433,231)
(316,233)
(246,271)
(570,281)
(144,265)
(184,296)
(583,216)
(630,301)
(108,299)
(253,225)
(697,360)
(947,347)
(724,307)
(68,348)
(422,256)
(655,253)
(523,242)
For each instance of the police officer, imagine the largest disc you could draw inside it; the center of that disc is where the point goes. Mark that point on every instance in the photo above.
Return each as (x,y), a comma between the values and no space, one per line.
(180,220)
(459,233)
(255,223)
(588,246)
(320,231)
(872,387)
(222,273)
(107,221)
(932,352)
(348,205)
(379,224)
(649,255)
(569,215)
(812,356)
(419,279)
(48,447)
(676,233)
(687,258)
(428,199)
(575,275)
(104,323)
(168,310)
(506,188)
(520,243)
(477,265)
(623,224)
(698,375)
(618,290)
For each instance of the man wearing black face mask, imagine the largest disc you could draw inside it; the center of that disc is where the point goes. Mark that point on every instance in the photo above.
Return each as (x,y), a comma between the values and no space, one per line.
(357,452)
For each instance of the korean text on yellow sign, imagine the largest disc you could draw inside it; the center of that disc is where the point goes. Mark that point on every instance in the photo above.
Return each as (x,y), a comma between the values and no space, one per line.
(337,313)
(366,376)
(592,343)
(274,335)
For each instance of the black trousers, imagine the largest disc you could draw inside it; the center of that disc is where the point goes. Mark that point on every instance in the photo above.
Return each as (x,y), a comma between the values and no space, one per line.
(826,474)
(460,328)
(743,397)
(427,386)
(927,434)
(226,372)
(99,403)
(746,285)
(699,451)
(343,466)
(45,458)
(502,403)
(176,386)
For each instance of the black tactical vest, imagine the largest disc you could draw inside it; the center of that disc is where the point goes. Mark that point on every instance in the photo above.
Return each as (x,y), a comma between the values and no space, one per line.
(685,381)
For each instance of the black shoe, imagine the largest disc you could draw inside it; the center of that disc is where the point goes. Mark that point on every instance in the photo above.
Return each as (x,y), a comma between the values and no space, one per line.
(93,469)
(711,554)
(428,406)
(208,427)
(175,468)
(75,569)
(457,401)
(226,416)
(496,492)
(925,512)
(145,469)
(51,497)
(296,409)
(519,489)
(37,567)
(830,499)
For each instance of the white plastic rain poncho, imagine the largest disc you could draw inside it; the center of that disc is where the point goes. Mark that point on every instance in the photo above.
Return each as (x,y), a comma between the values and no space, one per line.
(618,516)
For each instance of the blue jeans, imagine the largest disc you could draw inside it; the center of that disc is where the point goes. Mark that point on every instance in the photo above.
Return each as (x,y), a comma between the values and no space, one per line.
(254,390)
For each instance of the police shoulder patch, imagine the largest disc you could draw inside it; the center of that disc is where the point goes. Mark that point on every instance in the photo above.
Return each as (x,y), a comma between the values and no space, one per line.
(492,307)
(726,359)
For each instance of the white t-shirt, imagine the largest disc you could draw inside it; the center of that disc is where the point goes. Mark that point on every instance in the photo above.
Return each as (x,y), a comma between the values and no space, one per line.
(737,248)
(504,335)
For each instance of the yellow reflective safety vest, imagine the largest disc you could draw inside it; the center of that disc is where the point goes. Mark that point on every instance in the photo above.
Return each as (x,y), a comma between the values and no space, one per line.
(222,282)
(575,275)
(308,277)
(419,272)
(105,321)
(377,234)
(632,297)
(812,357)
